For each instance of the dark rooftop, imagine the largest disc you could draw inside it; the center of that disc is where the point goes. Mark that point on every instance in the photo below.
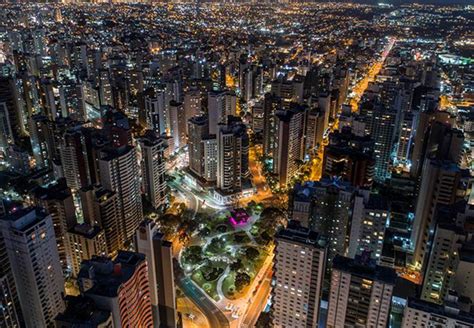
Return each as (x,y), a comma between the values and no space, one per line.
(441,310)
(81,311)
(369,271)
(109,275)
(296,233)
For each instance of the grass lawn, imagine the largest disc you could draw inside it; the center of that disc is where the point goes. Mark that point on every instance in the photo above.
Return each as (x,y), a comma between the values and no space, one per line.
(228,287)
(208,286)
(219,253)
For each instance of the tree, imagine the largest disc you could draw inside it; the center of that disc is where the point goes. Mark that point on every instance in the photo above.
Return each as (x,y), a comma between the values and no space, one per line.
(237,265)
(184,237)
(193,254)
(251,253)
(169,224)
(270,219)
(241,280)
(181,208)
(216,245)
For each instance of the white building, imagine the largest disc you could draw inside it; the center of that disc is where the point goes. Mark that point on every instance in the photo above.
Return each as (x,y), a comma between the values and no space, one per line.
(220,105)
(300,258)
(158,252)
(33,255)
(361,293)
(210,159)
(83,242)
(119,172)
(420,313)
(442,263)
(465,273)
(369,220)
(153,168)
(232,160)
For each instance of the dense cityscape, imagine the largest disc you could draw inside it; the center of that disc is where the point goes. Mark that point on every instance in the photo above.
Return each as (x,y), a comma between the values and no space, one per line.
(236,164)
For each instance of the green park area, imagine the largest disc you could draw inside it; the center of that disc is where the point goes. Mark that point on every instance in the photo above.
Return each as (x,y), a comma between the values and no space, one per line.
(226,252)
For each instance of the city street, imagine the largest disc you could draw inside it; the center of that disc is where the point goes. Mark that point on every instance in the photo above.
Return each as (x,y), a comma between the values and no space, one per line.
(214,315)
(363,84)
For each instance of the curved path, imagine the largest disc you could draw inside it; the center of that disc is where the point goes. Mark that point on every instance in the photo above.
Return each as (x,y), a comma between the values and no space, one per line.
(220,282)
(216,317)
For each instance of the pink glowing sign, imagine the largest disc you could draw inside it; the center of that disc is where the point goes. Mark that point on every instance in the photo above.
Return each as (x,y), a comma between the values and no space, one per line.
(239,218)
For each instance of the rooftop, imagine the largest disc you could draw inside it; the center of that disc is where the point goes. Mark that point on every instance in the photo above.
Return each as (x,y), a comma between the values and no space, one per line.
(364,269)
(81,311)
(107,275)
(441,310)
(296,233)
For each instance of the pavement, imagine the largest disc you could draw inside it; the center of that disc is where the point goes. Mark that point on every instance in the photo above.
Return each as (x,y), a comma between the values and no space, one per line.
(259,301)
(202,198)
(191,315)
(215,316)
(254,301)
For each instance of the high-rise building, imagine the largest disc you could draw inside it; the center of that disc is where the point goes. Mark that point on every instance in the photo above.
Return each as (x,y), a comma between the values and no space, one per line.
(210,159)
(157,114)
(192,105)
(314,131)
(120,286)
(270,106)
(382,124)
(58,202)
(232,160)
(119,173)
(439,276)
(6,132)
(406,138)
(325,206)
(361,293)
(198,130)
(74,158)
(30,243)
(464,274)
(257,117)
(42,140)
(427,139)
(289,142)
(117,128)
(368,223)
(82,243)
(105,88)
(220,105)
(150,241)
(299,268)
(8,313)
(11,108)
(442,183)
(101,207)
(350,157)
(82,311)
(153,168)
(178,125)
(420,313)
